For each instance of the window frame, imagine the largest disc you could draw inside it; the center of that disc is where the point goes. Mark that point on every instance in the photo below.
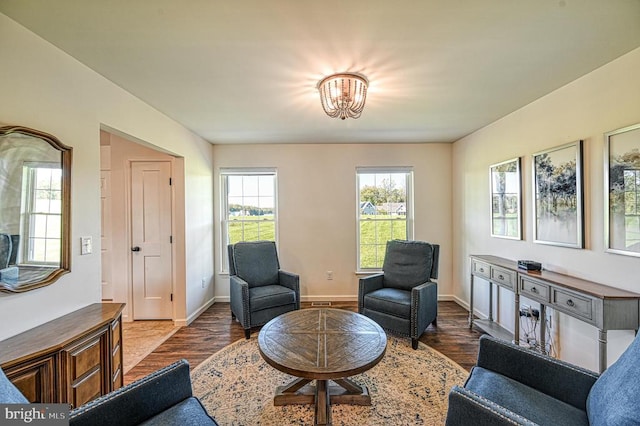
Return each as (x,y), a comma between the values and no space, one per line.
(224,203)
(408,171)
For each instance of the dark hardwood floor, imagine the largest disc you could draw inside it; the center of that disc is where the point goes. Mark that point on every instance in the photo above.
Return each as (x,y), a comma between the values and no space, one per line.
(214,329)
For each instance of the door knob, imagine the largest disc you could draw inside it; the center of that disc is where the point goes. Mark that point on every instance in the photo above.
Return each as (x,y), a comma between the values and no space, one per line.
(136,248)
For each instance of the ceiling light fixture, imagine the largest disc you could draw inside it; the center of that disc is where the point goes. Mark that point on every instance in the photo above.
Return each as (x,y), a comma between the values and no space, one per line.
(343,95)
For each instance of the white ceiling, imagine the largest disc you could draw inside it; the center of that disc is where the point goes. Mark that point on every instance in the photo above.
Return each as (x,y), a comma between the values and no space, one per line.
(245,71)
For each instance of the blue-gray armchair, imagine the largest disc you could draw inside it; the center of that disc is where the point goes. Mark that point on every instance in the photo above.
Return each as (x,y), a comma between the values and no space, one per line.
(161,398)
(259,289)
(515,386)
(403,299)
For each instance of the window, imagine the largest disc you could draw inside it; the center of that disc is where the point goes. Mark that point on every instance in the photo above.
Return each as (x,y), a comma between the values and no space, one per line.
(249,207)
(42,218)
(385,212)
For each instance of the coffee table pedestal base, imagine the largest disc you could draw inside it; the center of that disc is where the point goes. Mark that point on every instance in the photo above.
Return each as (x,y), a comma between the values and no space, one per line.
(322,395)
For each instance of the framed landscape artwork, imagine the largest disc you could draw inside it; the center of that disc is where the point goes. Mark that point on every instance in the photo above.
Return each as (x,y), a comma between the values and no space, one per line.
(506,199)
(622,190)
(558,201)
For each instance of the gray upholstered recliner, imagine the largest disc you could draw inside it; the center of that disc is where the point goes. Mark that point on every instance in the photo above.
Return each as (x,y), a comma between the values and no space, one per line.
(161,398)
(259,290)
(516,386)
(403,299)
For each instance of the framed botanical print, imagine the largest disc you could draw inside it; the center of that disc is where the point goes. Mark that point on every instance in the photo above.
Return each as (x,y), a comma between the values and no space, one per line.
(558,200)
(622,190)
(506,203)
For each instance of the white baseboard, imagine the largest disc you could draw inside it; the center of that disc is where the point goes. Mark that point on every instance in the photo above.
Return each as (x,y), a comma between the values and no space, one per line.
(196,314)
(353,298)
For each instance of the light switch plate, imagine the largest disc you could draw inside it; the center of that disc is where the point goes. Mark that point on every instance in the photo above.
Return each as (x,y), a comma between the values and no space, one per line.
(85,245)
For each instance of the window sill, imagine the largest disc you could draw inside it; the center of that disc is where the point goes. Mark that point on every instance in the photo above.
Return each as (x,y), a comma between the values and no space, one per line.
(371,272)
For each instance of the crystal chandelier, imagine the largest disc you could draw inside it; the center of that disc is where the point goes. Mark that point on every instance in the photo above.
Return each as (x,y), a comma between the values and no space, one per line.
(343,95)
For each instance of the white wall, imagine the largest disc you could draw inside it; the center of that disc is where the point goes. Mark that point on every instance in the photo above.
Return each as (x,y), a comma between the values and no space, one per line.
(317,207)
(45,89)
(604,100)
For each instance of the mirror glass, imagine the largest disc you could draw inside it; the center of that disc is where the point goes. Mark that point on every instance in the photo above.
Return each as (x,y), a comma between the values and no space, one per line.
(35,170)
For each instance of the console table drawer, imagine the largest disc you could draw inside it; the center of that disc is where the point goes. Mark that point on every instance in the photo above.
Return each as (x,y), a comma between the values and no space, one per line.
(481,269)
(572,303)
(534,289)
(503,277)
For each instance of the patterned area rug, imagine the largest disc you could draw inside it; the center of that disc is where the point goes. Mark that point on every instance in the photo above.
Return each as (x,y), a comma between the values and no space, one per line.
(407,388)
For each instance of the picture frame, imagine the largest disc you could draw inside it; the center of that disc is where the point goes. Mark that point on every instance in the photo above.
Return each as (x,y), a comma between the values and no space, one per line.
(622,191)
(505,188)
(558,196)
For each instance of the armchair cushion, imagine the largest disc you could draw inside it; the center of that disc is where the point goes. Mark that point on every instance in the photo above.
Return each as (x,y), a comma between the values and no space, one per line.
(269,296)
(407,263)
(256,262)
(613,399)
(390,301)
(9,394)
(188,412)
(523,400)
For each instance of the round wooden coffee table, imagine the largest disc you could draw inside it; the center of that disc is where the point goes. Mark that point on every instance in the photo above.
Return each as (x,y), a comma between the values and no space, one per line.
(322,345)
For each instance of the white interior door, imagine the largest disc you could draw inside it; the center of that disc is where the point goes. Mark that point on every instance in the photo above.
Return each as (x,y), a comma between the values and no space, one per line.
(151,239)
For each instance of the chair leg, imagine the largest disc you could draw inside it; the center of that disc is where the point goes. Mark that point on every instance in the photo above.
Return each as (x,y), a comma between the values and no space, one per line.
(414,344)
(435,322)
(247,333)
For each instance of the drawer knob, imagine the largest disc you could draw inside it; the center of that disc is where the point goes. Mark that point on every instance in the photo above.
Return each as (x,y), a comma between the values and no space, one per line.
(570,303)
(534,290)
(501,277)
(481,269)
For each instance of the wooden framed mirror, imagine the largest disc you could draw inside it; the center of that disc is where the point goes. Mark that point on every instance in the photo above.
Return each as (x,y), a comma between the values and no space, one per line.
(35,209)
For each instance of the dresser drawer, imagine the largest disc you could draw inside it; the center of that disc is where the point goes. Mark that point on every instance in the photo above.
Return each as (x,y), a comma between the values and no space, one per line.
(571,303)
(480,269)
(534,289)
(85,358)
(503,277)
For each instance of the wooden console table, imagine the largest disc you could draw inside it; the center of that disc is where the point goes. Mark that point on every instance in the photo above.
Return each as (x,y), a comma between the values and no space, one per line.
(72,359)
(604,307)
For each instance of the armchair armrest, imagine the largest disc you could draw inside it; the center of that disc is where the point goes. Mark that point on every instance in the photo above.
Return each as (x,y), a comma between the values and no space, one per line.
(292,281)
(424,305)
(239,299)
(465,405)
(367,285)
(138,401)
(559,379)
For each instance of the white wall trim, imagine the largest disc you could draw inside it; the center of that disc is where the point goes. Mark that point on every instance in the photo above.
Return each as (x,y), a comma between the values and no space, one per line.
(195,314)
(354,298)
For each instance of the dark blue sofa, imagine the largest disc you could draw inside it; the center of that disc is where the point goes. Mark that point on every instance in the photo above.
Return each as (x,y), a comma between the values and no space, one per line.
(515,386)
(161,398)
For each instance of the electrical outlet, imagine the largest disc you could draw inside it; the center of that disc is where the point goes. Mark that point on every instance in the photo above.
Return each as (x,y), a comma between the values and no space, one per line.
(329,275)
(204,281)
